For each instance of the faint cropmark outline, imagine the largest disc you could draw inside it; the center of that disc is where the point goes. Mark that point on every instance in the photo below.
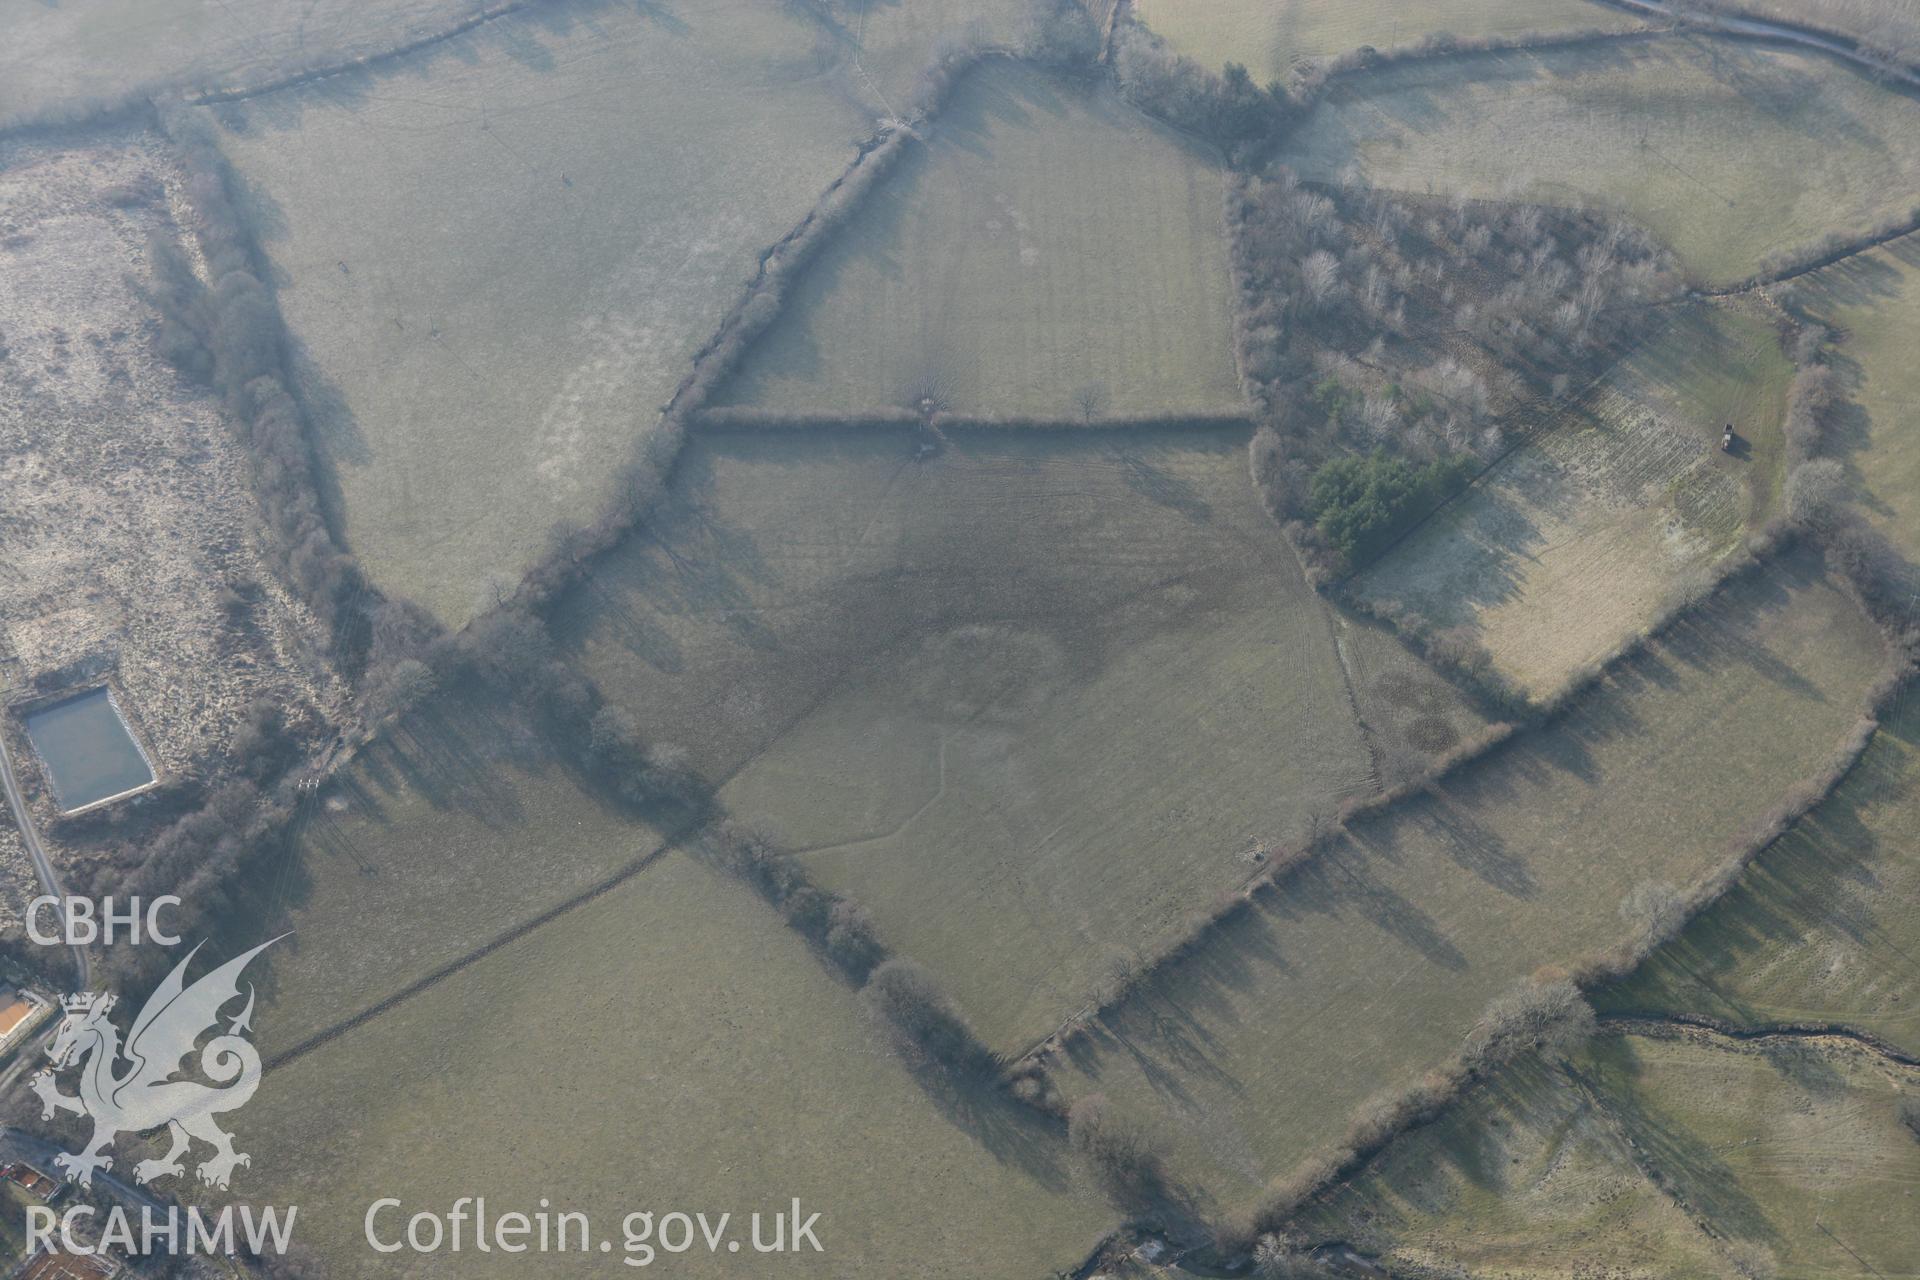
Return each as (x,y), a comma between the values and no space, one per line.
(148,1095)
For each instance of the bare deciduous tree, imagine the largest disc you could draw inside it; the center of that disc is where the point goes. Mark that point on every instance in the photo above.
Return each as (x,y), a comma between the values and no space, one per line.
(1655,911)
(927,1027)
(1550,1018)
(1817,494)
(1320,277)
(1090,401)
(1121,1153)
(1283,1255)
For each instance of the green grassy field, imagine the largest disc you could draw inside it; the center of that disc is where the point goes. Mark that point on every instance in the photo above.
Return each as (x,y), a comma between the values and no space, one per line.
(1270,36)
(506,250)
(668,1047)
(962,683)
(783,563)
(1874,300)
(451,830)
(1825,927)
(1575,541)
(1728,151)
(1369,966)
(66,56)
(1022,844)
(988,272)
(1790,1151)
(1524,1178)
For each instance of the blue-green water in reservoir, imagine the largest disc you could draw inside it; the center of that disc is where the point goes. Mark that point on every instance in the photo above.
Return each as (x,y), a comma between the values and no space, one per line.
(87,749)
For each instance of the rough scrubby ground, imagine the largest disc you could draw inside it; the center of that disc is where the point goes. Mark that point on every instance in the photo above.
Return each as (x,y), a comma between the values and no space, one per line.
(1525,1177)
(128,518)
(1793,1151)
(18,884)
(1658,1153)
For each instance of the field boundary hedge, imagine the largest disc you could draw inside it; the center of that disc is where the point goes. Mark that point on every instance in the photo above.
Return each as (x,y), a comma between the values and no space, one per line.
(1791,264)
(644,479)
(156,94)
(1865,574)
(1381,1120)
(221,325)
(363,62)
(1280,866)
(749,418)
(233,318)
(1284,864)
(1442,45)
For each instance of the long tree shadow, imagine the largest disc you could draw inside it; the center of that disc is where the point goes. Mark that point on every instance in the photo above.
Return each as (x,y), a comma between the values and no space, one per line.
(1391,911)
(1477,847)
(1173,1025)
(1687,1167)
(1013,1133)
(1728,628)
(1178,1029)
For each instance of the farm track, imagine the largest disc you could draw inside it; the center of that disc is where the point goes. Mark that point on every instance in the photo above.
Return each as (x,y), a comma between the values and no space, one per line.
(732,419)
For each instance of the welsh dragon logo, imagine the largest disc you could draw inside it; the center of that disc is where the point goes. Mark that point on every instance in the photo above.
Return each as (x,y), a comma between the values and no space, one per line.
(148,1093)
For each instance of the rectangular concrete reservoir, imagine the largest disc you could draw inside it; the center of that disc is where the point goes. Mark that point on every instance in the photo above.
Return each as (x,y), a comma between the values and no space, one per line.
(89,752)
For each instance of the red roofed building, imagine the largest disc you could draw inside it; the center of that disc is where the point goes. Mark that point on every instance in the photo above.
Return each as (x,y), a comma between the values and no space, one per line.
(55,1265)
